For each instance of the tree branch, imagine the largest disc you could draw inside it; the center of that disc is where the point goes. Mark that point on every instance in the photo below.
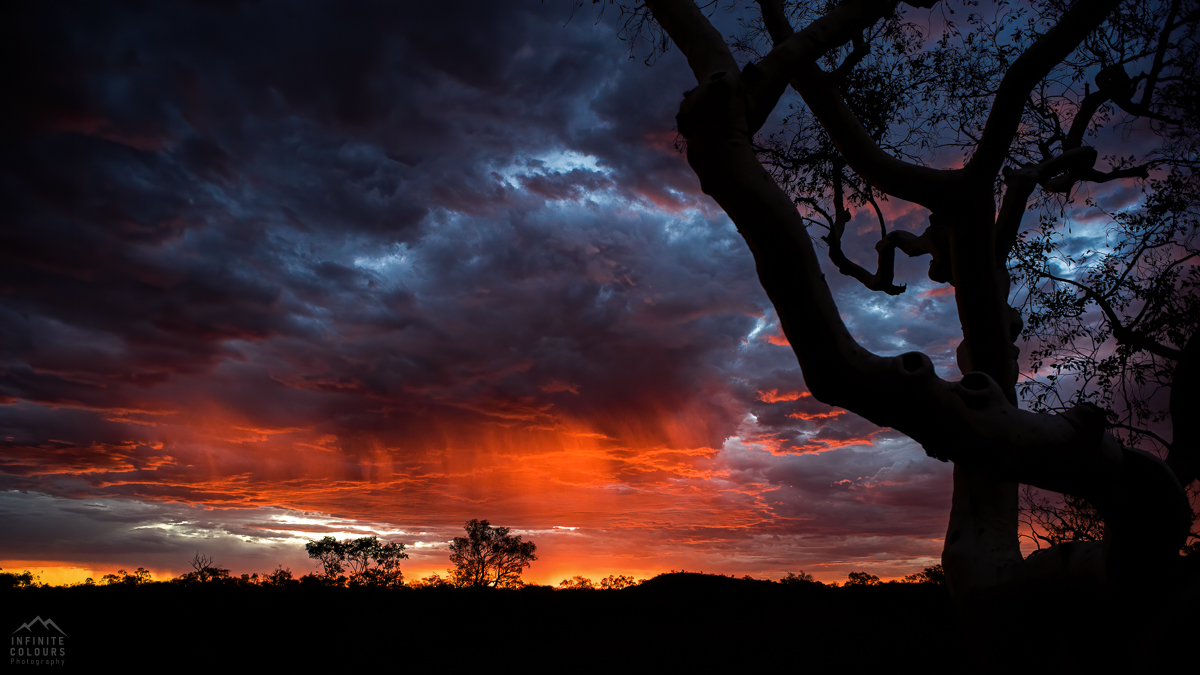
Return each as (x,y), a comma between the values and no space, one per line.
(1144,432)
(860,51)
(1119,87)
(1066,181)
(934,242)
(1156,69)
(1123,334)
(775,19)
(972,422)
(1057,174)
(768,78)
(794,60)
(1083,117)
(880,281)
(695,36)
(878,214)
(1024,74)
(910,182)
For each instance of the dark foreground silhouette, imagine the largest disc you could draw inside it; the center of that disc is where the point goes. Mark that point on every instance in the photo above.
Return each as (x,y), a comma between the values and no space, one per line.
(675,622)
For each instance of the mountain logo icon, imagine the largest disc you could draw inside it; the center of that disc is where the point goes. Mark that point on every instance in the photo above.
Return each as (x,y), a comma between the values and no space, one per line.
(46,623)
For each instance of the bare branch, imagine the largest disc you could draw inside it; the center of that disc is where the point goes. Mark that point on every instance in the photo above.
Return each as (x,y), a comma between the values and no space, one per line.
(878,213)
(880,281)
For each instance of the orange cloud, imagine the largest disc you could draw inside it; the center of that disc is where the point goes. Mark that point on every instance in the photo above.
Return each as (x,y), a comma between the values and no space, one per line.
(816,416)
(779,339)
(773,395)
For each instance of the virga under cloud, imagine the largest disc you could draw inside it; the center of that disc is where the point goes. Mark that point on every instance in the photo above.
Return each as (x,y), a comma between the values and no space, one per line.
(380,267)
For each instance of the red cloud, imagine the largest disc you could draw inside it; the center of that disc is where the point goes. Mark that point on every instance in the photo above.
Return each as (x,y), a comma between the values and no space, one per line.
(773,396)
(937,292)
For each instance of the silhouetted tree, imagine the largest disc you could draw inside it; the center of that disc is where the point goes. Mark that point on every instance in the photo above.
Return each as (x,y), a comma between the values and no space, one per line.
(331,554)
(1102,333)
(489,556)
(281,577)
(793,579)
(929,575)
(136,578)
(434,581)
(617,582)
(24,579)
(861,579)
(204,570)
(1049,522)
(877,99)
(375,563)
(577,583)
(369,561)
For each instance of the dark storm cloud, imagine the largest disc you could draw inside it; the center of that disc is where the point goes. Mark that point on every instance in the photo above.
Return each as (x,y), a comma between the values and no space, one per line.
(321,255)
(193,191)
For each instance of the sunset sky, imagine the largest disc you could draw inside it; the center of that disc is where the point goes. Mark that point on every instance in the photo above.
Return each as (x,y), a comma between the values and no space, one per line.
(275,270)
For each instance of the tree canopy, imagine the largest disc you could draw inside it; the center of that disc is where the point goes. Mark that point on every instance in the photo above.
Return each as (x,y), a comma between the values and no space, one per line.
(861,579)
(368,561)
(490,556)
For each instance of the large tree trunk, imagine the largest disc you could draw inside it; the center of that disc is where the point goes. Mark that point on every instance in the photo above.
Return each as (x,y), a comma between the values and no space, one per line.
(974,422)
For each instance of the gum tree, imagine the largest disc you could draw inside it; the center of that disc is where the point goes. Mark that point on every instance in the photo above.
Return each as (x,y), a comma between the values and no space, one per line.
(370,562)
(489,557)
(1023,93)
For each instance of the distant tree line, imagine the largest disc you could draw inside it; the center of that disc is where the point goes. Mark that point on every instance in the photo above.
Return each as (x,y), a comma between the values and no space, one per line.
(487,557)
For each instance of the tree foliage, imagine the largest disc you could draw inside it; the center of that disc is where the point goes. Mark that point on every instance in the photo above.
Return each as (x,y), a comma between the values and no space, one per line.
(24,579)
(617,582)
(577,583)
(861,579)
(801,579)
(434,581)
(368,561)
(138,577)
(489,556)
(930,575)
(281,577)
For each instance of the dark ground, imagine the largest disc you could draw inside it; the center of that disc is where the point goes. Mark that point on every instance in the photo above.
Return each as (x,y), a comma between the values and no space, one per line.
(674,623)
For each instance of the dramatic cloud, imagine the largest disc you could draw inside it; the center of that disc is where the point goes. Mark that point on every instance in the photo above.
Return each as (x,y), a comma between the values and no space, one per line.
(274,270)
